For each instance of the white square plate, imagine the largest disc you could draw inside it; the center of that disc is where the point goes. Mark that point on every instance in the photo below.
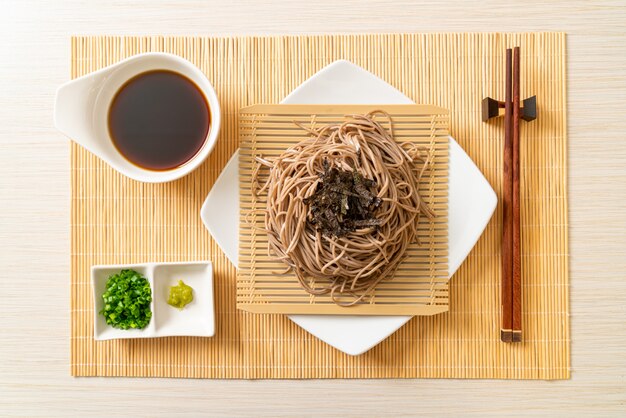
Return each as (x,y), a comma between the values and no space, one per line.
(472,201)
(196,319)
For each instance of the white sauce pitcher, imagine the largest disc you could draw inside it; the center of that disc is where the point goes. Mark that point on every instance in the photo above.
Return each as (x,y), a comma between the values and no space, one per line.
(82,105)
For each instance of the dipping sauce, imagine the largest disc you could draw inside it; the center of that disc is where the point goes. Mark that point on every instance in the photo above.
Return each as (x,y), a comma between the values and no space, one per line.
(159,120)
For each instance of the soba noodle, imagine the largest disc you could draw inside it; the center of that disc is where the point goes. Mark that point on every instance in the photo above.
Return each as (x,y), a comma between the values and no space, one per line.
(349,267)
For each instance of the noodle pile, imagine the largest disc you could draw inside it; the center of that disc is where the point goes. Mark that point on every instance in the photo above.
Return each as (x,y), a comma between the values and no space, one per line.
(349,267)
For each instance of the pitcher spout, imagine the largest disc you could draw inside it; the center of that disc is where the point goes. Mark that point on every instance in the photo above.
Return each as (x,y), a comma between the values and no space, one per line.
(73,110)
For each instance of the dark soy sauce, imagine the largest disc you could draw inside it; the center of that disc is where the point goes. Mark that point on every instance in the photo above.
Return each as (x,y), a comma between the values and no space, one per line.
(159,120)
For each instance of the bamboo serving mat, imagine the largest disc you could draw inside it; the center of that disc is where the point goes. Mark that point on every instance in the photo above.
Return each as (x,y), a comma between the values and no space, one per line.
(117,220)
(419,285)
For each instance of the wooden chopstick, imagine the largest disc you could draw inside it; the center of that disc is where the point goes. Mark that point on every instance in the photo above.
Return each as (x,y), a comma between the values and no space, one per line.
(511,330)
(506,331)
(517,278)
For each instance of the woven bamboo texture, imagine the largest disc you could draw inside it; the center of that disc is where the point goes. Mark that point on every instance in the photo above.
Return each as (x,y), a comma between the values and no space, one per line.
(419,286)
(117,220)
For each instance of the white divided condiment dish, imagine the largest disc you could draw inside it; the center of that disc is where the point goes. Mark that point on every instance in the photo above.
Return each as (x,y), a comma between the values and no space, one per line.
(197,319)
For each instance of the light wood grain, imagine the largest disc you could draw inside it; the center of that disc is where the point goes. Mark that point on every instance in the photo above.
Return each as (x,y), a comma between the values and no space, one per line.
(34,212)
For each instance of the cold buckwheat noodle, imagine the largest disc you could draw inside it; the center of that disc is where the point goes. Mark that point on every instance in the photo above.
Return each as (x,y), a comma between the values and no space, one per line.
(348,267)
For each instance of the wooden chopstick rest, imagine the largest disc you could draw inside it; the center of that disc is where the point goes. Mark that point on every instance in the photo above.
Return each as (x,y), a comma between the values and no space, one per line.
(493,108)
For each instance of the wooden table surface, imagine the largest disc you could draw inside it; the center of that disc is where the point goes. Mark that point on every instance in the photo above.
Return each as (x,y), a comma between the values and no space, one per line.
(34,211)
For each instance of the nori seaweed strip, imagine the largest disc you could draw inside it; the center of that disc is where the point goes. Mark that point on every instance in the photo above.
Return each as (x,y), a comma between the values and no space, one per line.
(343,202)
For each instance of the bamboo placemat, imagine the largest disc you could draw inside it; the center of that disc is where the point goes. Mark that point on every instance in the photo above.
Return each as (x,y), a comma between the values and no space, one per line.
(419,285)
(117,220)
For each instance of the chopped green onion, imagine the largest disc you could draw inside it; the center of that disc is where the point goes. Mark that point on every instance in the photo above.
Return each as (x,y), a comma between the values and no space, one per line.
(127,300)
